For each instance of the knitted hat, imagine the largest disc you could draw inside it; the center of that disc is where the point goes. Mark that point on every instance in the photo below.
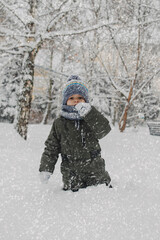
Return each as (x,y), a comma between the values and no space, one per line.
(73,86)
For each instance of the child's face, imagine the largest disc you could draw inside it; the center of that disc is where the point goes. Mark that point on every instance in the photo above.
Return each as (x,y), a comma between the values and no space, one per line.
(75,99)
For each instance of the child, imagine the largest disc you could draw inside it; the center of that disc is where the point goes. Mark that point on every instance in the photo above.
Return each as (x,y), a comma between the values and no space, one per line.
(75,135)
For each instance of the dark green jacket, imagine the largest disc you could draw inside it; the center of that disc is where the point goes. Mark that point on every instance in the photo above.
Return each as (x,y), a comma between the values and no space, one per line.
(73,142)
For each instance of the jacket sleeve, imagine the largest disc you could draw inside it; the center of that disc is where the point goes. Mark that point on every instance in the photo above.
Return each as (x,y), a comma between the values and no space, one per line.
(52,149)
(97,123)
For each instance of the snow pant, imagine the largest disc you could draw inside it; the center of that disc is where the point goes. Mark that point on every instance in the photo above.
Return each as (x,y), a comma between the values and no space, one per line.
(82,173)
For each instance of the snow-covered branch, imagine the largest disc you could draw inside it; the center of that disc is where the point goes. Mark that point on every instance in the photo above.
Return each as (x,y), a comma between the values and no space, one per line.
(144,23)
(77,32)
(51,70)
(51,35)
(13,12)
(51,22)
(144,85)
(114,84)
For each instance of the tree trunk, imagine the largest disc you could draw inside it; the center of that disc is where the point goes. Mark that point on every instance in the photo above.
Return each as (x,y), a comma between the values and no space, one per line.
(49,104)
(24,104)
(123,120)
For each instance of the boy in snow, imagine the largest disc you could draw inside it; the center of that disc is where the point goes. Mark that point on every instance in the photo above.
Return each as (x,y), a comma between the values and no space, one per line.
(75,135)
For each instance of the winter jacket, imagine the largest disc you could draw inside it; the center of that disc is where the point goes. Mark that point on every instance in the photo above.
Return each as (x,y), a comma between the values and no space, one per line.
(77,141)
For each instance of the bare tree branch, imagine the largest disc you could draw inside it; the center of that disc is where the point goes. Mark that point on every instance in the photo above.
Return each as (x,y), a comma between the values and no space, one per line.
(119,89)
(13,12)
(80,31)
(144,85)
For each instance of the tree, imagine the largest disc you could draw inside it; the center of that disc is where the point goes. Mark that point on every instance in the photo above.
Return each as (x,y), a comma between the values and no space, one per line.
(32,23)
(10,89)
(28,49)
(132,41)
(99,27)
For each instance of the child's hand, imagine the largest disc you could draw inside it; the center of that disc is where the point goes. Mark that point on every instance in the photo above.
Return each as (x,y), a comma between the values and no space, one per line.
(83,108)
(44,177)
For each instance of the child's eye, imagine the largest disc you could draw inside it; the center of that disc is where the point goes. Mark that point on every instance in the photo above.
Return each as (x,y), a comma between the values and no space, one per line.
(71,98)
(80,98)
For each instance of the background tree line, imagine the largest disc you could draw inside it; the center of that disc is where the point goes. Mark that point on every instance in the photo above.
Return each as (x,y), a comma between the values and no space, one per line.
(112,44)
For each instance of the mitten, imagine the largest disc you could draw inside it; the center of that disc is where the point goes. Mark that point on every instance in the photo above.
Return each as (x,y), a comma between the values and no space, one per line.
(44,177)
(83,108)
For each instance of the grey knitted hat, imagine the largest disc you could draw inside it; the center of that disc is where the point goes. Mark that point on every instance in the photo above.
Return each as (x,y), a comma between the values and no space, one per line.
(73,86)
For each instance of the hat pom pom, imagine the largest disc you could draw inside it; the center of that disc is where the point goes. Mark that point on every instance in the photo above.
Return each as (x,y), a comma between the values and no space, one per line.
(74,77)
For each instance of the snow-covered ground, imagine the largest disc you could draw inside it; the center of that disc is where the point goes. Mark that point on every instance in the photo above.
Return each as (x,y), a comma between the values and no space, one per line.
(32,211)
